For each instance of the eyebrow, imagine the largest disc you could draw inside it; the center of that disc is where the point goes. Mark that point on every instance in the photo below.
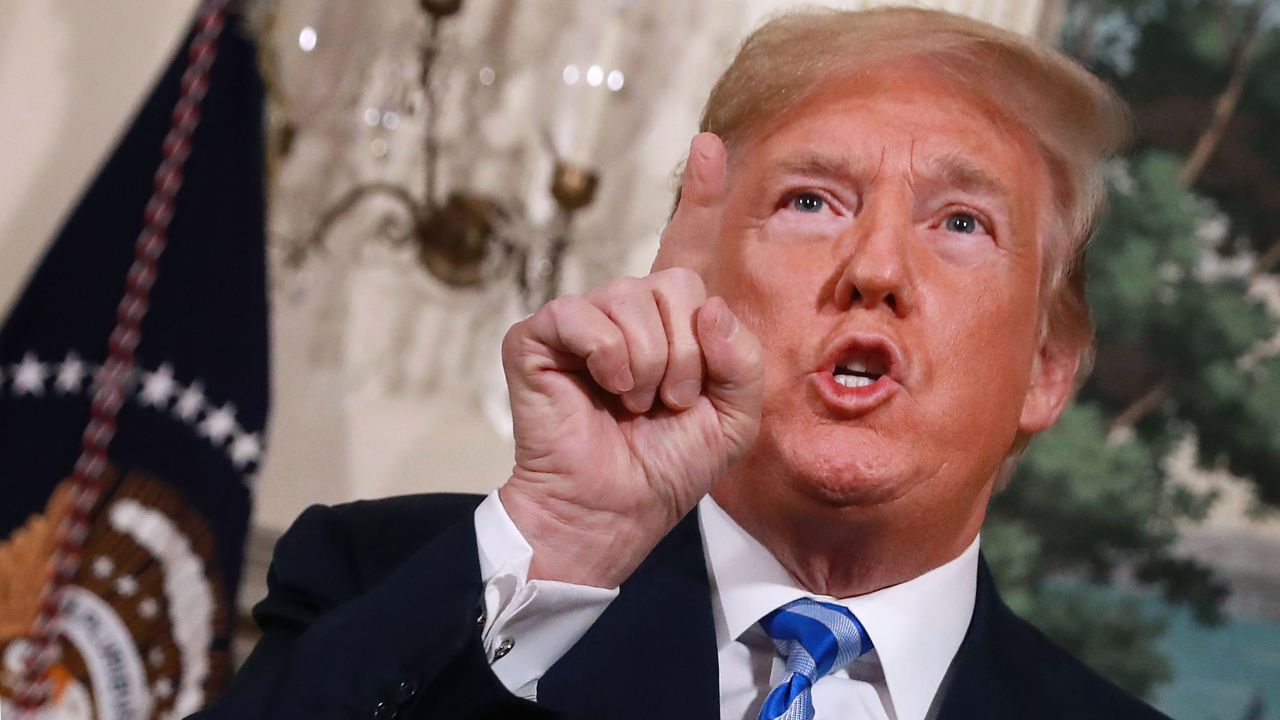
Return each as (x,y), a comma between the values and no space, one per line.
(822,165)
(953,169)
(960,172)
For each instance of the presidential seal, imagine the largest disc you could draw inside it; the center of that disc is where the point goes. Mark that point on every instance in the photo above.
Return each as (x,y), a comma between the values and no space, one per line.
(143,629)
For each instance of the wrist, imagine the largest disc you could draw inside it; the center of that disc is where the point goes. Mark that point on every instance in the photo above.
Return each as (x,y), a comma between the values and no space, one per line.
(577,545)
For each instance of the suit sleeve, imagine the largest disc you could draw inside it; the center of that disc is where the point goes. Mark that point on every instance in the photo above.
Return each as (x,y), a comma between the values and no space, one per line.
(407,647)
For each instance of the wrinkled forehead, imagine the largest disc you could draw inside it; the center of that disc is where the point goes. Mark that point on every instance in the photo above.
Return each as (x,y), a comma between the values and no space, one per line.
(943,118)
(905,82)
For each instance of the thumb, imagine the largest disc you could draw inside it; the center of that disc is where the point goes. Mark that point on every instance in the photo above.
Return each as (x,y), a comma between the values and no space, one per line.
(696,221)
(735,373)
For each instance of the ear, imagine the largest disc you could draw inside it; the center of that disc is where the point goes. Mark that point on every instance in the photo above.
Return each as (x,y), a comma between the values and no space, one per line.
(1053,377)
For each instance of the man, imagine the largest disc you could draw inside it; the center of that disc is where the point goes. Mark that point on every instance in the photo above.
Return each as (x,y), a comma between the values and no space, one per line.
(869,298)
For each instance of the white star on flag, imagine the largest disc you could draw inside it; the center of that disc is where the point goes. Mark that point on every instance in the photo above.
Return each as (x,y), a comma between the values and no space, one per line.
(191,402)
(245,449)
(28,376)
(158,387)
(71,373)
(219,423)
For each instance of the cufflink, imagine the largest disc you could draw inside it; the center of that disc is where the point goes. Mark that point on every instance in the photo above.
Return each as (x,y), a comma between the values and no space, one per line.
(504,647)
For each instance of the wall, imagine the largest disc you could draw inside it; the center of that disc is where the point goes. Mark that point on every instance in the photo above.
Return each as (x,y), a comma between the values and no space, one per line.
(71,75)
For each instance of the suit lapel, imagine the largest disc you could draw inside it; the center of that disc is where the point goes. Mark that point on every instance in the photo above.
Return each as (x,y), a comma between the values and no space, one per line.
(653,651)
(976,685)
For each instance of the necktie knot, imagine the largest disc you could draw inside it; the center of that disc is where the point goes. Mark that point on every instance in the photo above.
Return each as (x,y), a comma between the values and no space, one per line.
(815,638)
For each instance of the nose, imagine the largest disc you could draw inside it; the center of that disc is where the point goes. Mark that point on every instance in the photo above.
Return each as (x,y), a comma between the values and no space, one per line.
(877,266)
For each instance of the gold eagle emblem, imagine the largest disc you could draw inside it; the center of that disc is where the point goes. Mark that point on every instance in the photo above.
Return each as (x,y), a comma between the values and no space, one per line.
(144,627)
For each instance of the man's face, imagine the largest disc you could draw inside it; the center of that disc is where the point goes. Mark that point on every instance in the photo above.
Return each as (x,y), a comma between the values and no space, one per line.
(882,241)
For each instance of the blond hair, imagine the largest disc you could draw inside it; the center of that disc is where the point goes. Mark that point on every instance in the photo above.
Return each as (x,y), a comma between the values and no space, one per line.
(1074,119)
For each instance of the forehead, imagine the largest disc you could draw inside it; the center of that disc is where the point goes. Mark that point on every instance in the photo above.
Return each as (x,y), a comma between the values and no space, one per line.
(910,118)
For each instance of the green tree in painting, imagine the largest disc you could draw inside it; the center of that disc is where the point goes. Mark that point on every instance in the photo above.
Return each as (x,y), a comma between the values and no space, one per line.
(1182,340)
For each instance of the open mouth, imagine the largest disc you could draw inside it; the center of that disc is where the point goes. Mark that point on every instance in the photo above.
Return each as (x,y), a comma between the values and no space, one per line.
(861,367)
(861,373)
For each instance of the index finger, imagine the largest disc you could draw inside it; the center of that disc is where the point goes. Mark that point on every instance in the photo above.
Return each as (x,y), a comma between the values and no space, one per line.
(702,192)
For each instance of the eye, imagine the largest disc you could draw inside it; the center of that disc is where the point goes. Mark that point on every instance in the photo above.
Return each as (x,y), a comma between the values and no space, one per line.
(808,203)
(962,222)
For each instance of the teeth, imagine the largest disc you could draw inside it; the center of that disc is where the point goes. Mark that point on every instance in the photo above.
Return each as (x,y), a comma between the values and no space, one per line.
(854,381)
(865,364)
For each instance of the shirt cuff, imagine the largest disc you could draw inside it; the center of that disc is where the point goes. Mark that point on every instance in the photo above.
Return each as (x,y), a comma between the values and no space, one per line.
(529,624)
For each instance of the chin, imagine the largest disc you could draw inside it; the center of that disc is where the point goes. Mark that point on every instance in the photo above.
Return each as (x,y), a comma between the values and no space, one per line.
(842,466)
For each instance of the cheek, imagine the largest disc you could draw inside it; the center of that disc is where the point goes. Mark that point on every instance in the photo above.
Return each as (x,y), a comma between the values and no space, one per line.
(781,329)
(986,349)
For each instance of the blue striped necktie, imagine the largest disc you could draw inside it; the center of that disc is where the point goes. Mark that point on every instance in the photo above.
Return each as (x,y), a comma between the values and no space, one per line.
(815,638)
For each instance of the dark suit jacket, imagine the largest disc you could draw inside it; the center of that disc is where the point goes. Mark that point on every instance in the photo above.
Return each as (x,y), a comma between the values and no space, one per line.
(373,610)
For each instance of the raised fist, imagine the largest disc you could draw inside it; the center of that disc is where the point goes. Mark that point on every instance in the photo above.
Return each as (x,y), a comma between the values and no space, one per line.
(629,402)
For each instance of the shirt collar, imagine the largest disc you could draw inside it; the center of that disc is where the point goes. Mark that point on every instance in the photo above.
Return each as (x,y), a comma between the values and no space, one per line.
(916,626)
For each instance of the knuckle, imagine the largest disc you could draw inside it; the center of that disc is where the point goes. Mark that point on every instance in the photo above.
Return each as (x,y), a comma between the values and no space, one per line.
(608,343)
(681,282)
(561,309)
(553,309)
(618,289)
(520,349)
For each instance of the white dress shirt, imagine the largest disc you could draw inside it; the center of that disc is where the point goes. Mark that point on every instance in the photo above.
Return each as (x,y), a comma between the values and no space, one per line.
(916,626)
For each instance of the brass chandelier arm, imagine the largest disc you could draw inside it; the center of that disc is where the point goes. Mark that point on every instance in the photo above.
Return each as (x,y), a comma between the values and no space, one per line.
(348,202)
(460,237)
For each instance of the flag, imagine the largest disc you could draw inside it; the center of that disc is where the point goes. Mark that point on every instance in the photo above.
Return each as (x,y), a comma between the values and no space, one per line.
(144,627)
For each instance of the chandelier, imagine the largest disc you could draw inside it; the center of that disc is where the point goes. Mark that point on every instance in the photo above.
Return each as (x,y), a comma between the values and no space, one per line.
(462,238)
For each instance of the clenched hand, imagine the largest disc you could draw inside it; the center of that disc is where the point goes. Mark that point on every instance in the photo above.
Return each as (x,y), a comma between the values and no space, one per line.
(629,402)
